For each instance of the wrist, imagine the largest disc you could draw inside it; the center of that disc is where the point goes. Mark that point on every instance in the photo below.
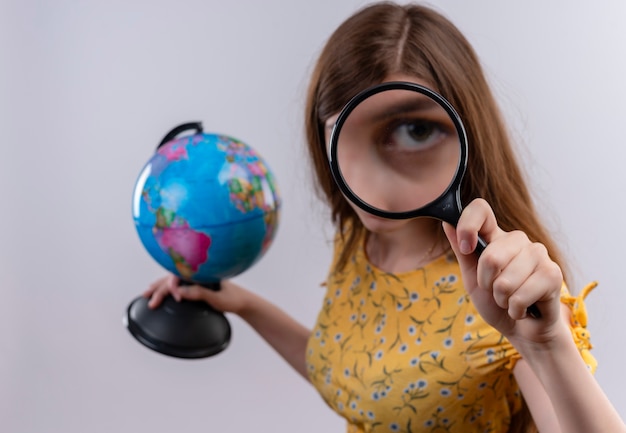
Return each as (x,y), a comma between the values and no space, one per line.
(248,304)
(556,340)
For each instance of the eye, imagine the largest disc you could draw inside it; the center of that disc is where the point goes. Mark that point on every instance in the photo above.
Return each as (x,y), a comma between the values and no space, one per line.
(413,135)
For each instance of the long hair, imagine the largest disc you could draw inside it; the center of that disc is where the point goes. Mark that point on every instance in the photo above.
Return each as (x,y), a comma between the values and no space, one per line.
(386,38)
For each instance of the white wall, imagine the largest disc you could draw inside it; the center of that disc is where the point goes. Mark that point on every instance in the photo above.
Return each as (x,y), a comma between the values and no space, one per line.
(87,89)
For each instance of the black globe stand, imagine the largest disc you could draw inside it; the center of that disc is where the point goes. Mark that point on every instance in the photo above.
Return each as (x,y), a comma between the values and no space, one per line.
(185,329)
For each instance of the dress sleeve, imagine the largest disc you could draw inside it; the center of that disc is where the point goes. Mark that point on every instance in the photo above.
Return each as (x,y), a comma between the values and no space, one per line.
(577,325)
(578,322)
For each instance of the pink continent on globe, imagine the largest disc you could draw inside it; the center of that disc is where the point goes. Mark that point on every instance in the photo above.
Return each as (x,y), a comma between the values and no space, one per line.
(174,152)
(257,168)
(193,246)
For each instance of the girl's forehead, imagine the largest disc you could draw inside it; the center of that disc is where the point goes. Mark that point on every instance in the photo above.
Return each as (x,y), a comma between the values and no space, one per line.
(330,121)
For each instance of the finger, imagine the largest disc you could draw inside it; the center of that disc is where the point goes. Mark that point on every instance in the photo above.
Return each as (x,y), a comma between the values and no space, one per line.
(162,288)
(466,260)
(154,286)
(508,278)
(468,264)
(501,269)
(530,277)
(175,292)
(158,296)
(195,292)
(477,217)
(541,288)
(169,284)
(174,286)
(173,280)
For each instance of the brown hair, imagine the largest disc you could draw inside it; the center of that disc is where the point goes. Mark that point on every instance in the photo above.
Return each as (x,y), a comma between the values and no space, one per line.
(386,38)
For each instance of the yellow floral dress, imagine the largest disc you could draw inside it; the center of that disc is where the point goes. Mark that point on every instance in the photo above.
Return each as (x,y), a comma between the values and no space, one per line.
(409,352)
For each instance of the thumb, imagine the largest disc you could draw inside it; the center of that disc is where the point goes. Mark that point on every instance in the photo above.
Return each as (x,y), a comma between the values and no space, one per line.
(195,292)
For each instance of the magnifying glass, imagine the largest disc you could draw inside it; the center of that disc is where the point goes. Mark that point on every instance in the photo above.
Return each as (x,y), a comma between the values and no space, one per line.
(398,150)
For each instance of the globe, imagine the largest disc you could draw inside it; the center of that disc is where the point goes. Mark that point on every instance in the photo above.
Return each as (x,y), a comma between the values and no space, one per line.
(206,207)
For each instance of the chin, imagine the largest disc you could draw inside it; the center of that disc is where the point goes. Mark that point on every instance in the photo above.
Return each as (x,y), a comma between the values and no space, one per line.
(378,224)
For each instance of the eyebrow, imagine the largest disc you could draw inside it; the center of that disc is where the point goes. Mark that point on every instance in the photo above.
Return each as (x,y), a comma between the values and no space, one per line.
(410,106)
(424,103)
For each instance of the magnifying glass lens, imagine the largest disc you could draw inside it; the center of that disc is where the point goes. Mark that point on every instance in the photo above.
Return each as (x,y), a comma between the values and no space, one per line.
(398,150)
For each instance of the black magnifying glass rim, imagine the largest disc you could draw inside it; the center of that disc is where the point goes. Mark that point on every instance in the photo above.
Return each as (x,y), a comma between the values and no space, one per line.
(447,206)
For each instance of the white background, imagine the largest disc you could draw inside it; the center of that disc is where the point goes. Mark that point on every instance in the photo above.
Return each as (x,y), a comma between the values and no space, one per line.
(88,88)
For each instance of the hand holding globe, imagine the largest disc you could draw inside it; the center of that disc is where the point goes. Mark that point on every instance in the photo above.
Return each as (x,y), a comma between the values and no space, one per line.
(206,208)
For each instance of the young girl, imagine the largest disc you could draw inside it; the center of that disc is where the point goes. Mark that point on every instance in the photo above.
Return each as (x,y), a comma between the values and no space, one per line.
(416,332)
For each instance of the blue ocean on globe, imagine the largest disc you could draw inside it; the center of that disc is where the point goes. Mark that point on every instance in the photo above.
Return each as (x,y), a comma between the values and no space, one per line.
(206,207)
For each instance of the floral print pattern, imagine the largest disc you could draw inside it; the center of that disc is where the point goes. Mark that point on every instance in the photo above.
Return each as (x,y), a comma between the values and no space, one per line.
(409,352)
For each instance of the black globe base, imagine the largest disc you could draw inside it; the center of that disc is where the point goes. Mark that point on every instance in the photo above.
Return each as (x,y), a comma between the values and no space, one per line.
(185,329)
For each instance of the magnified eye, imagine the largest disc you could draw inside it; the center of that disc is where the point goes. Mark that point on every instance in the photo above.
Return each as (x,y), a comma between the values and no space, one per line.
(413,135)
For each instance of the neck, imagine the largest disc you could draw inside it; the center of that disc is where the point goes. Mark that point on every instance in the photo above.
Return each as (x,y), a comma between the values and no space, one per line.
(408,248)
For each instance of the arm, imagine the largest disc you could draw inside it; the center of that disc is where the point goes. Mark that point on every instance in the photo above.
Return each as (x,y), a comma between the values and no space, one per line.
(542,382)
(511,274)
(559,389)
(287,336)
(536,398)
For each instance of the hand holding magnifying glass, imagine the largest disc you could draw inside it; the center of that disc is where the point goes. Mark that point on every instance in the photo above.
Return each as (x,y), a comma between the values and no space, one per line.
(392,140)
